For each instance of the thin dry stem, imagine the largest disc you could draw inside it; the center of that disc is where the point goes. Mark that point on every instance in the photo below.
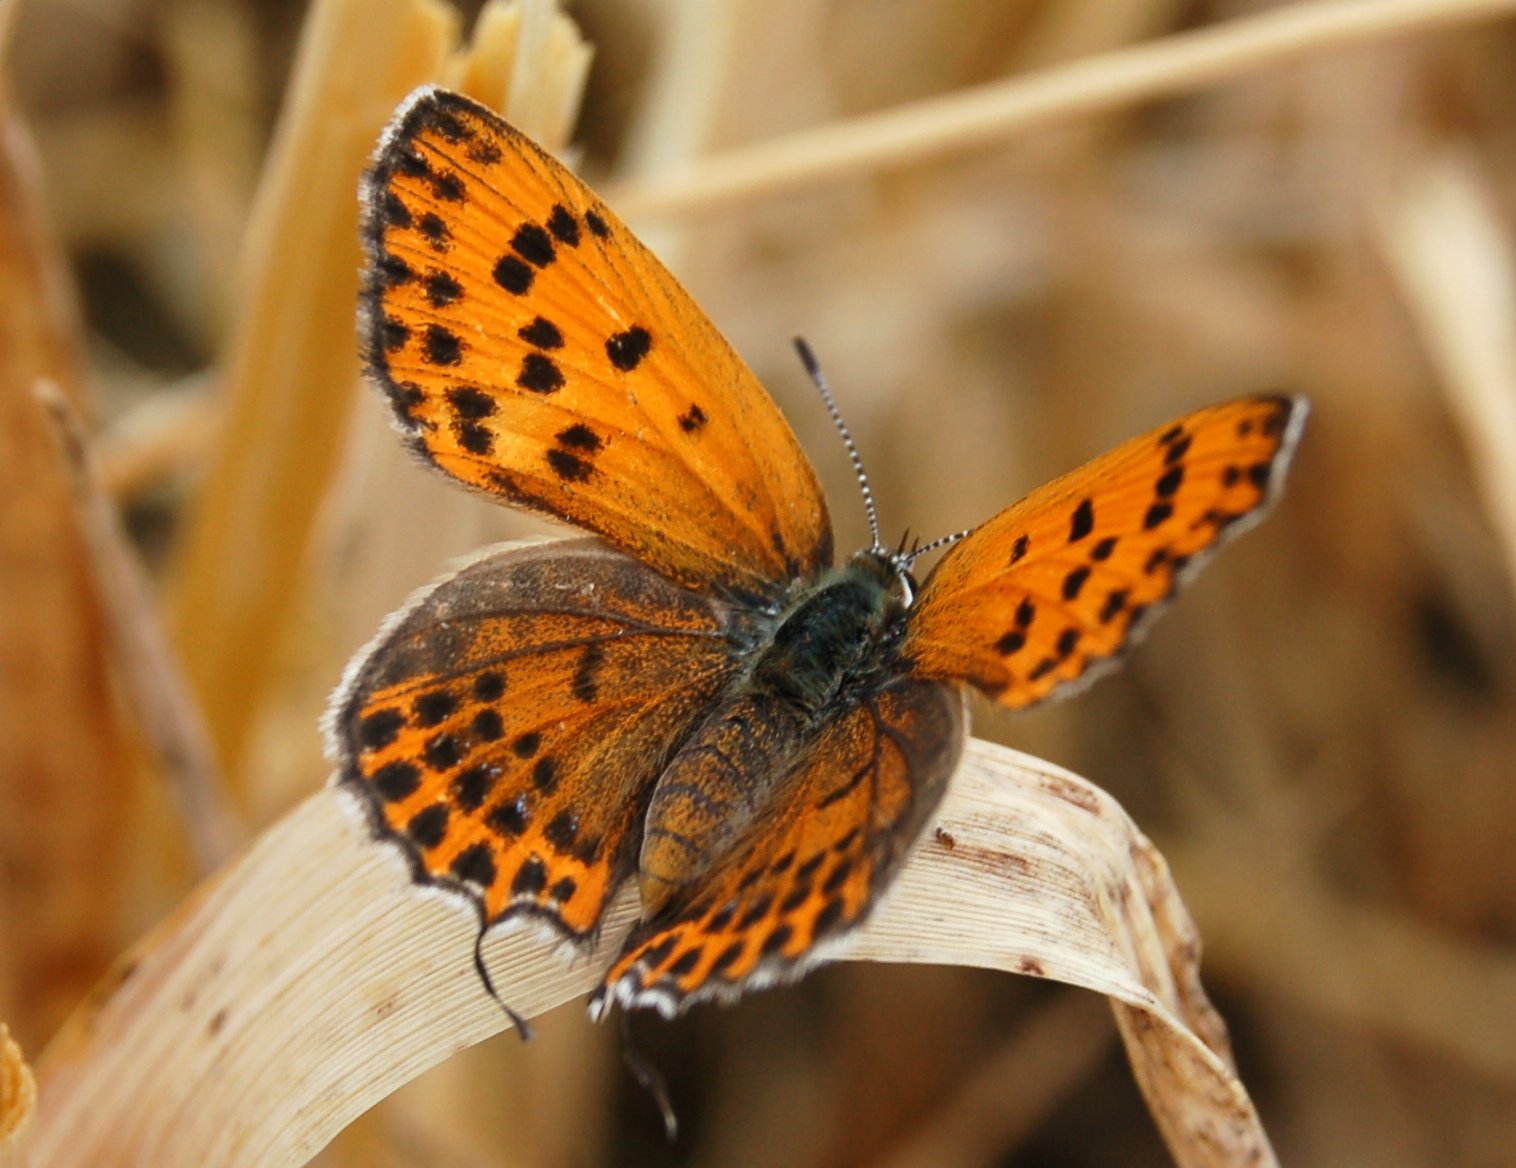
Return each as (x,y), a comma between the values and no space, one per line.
(153,684)
(928,129)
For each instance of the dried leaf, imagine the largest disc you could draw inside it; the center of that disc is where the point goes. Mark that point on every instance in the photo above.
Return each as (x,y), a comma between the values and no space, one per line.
(312,978)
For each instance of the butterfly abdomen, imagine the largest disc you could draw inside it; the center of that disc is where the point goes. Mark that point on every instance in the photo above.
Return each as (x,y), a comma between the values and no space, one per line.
(718,784)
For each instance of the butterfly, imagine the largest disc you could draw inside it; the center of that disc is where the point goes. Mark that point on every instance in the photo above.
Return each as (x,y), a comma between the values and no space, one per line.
(696,695)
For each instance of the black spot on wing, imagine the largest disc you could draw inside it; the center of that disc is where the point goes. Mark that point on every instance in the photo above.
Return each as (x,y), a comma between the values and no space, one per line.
(442,346)
(1083,521)
(569,466)
(393,334)
(542,333)
(448,187)
(510,817)
(379,729)
(562,831)
(579,437)
(539,374)
(489,686)
(472,786)
(531,877)
(487,726)
(434,707)
(563,226)
(428,827)
(435,231)
(442,752)
(442,289)
(396,213)
(393,271)
(533,244)
(475,438)
(471,404)
(396,781)
(1157,514)
(514,275)
(475,865)
(627,349)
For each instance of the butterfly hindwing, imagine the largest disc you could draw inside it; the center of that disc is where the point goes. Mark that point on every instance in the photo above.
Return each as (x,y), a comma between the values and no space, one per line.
(506,728)
(1051,590)
(812,864)
(536,350)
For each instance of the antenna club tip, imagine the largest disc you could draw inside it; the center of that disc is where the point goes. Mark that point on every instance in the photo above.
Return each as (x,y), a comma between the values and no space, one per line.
(807,358)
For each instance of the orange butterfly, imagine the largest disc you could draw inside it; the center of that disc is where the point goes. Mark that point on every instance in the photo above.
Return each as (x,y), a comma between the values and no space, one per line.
(698,696)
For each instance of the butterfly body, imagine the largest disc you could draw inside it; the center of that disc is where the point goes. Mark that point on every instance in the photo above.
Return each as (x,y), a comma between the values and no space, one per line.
(832,649)
(695,699)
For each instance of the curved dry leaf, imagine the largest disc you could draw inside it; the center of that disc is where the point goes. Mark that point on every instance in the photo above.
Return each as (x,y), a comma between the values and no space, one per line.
(311,978)
(18,1099)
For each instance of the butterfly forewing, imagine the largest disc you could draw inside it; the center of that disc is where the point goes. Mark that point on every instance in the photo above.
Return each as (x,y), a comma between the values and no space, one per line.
(536,350)
(829,840)
(506,728)
(1052,589)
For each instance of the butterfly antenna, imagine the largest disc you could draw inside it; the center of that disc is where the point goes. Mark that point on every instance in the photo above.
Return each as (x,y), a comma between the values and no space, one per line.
(523,1027)
(813,368)
(648,1077)
(945,541)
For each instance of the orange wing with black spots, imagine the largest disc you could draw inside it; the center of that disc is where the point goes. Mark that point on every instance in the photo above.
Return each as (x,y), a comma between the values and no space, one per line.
(506,728)
(830,838)
(535,350)
(1049,592)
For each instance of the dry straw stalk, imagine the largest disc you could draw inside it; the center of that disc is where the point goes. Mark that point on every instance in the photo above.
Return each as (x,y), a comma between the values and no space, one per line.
(923,130)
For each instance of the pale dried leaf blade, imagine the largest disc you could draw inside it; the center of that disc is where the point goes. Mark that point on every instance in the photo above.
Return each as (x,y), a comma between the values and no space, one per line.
(18,1100)
(1033,870)
(312,978)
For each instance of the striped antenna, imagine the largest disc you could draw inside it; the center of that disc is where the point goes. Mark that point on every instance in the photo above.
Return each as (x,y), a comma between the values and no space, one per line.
(813,367)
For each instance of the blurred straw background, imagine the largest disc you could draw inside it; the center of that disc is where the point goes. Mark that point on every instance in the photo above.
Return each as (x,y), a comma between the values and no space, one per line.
(1320,737)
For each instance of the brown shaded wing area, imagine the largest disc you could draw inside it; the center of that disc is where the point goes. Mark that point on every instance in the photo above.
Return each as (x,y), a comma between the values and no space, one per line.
(1051,590)
(536,350)
(506,728)
(811,867)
